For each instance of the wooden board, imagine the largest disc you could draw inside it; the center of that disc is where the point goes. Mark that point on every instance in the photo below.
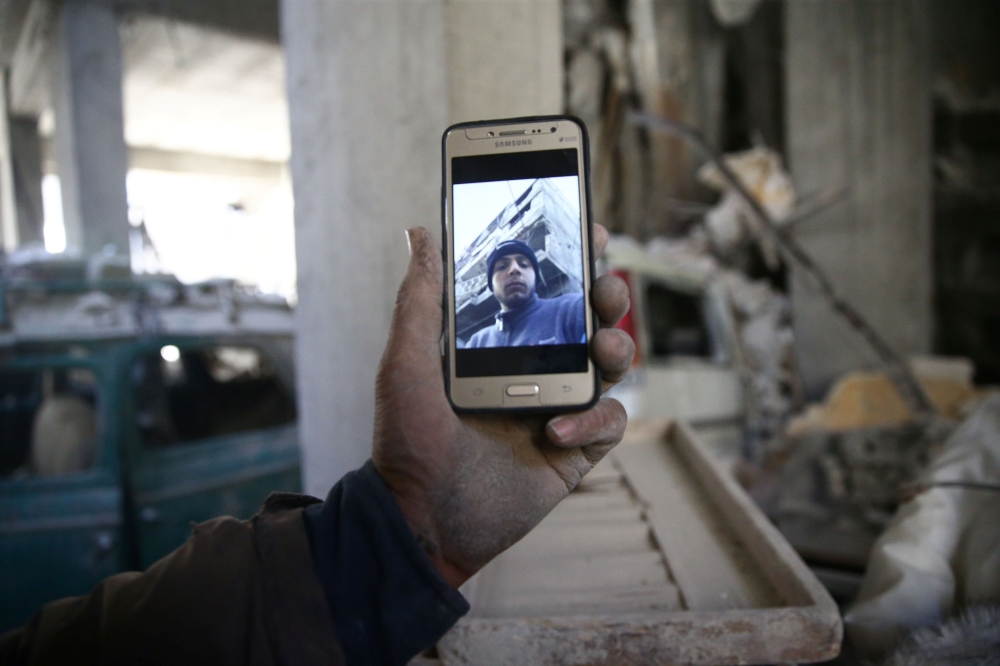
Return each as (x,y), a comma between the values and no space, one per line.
(596,545)
(658,557)
(707,560)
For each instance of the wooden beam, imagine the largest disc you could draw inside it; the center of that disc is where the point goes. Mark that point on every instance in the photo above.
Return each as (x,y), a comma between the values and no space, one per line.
(220,165)
(12,16)
(257,19)
(29,61)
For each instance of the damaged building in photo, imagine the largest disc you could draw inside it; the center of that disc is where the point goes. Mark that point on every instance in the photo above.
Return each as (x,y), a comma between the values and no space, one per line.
(202,216)
(540,217)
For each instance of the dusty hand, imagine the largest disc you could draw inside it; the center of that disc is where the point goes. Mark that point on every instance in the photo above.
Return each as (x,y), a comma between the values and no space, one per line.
(471,486)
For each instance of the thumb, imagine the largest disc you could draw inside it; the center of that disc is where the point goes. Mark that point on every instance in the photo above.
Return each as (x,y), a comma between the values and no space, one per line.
(415,333)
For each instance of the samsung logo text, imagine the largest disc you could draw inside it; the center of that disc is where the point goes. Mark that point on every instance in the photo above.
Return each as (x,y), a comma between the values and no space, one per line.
(514,142)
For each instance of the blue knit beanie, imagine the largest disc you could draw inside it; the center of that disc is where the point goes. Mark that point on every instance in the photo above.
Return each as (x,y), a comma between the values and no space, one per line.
(505,248)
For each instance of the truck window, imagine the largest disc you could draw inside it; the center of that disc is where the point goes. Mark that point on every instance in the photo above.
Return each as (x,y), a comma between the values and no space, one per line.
(676,323)
(48,422)
(196,394)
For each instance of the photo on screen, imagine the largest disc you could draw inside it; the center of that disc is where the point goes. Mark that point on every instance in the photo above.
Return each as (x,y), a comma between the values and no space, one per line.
(518,263)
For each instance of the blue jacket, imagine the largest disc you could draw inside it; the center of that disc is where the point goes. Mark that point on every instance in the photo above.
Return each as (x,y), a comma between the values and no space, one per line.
(543,321)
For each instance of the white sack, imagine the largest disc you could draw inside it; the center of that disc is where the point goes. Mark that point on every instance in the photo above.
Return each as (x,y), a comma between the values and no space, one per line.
(941,551)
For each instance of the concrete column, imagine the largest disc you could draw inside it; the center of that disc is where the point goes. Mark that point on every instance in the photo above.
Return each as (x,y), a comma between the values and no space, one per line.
(26,157)
(372,86)
(8,205)
(89,138)
(859,115)
(504,58)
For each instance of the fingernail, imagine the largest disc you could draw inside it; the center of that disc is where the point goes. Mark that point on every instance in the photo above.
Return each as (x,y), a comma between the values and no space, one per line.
(563,427)
(409,242)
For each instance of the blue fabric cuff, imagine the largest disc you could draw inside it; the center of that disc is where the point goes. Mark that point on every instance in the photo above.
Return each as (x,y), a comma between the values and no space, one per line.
(387,600)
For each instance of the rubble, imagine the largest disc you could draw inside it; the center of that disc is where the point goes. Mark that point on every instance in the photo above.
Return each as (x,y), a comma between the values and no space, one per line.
(831,480)
(761,312)
(764,329)
(867,399)
(761,172)
(842,467)
(64,297)
(772,235)
(765,323)
(732,223)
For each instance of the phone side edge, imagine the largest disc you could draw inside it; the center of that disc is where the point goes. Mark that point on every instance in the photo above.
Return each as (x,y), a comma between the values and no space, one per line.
(590,240)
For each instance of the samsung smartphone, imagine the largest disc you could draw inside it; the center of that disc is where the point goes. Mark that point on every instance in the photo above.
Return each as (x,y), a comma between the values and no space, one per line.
(518,265)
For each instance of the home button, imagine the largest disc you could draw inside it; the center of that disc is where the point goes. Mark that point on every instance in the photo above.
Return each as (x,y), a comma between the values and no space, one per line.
(522,390)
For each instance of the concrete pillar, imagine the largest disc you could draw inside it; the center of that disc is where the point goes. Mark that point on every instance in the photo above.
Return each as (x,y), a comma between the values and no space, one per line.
(26,156)
(504,58)
(372,86)
(89,138)
(8,205)
(859,115)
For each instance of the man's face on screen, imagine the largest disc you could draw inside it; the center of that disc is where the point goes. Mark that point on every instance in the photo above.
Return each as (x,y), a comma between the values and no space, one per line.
(513,281)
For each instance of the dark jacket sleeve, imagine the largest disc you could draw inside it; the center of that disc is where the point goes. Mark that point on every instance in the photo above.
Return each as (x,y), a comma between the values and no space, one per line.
(237,592)
(387,601)
(262,592)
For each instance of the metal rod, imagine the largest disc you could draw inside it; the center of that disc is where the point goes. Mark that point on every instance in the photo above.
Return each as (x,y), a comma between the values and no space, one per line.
(899,372)
(812,207)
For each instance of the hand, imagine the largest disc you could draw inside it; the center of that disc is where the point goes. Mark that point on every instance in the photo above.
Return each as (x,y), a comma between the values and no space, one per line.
(471,486)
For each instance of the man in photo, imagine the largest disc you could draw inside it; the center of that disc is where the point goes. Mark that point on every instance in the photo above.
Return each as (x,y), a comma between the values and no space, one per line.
(525,318)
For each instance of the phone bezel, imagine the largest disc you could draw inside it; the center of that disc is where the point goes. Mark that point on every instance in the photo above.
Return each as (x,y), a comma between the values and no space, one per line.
(479,394)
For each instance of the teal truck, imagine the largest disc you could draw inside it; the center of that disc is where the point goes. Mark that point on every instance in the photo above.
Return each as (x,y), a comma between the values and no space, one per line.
(129,409)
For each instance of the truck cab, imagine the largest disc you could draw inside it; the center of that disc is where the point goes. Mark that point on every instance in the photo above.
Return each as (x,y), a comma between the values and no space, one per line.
(129,410)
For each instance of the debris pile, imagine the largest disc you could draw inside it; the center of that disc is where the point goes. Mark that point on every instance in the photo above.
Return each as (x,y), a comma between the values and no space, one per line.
(49,296)
(720,246)
(764,320)
(763,313)
(864,399)
(732,224)
(831,477)
(847,462)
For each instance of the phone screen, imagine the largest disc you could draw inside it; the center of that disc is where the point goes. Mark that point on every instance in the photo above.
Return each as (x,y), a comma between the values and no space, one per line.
(519,264)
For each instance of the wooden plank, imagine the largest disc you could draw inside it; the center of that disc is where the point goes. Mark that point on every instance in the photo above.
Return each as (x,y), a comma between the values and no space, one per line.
(604,473)
(523,613)
(778,561)
(783,636)
(624,514)
(643,599)
(602,584)
(558,540)
(594,554)
(588,572)
(589,502)
(713,570)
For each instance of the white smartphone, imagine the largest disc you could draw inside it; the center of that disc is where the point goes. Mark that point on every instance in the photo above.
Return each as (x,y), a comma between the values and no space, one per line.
(518,259)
